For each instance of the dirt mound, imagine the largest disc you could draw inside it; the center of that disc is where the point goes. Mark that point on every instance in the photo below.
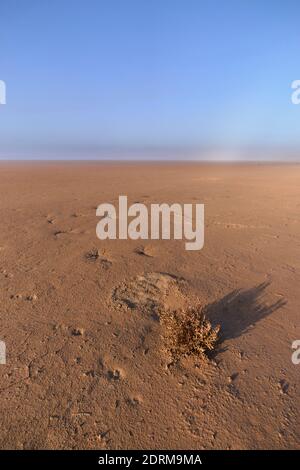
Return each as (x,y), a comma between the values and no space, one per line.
(150,292)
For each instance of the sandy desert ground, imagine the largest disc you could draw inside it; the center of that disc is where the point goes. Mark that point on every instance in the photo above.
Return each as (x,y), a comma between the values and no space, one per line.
(86,365)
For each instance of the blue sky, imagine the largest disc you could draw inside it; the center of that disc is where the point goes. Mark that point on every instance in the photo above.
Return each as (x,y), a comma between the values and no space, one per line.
(96,78)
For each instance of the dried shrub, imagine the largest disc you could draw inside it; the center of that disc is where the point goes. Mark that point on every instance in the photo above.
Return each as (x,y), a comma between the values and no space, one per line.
(92,255)
(188,332)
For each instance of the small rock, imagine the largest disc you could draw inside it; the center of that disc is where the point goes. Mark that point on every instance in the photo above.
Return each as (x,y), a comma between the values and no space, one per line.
(77,331)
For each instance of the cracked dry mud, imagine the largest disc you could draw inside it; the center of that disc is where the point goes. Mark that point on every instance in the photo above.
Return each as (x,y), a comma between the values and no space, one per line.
(86,367)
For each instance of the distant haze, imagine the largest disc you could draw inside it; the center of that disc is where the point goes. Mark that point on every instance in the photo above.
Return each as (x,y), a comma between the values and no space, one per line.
(171,79)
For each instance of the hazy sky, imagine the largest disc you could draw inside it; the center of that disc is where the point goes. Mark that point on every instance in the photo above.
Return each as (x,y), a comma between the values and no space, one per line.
(97,77)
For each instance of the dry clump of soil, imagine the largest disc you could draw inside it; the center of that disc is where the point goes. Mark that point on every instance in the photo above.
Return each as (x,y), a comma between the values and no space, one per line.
(95,255)
(150,292)
(188,332)
(92,255)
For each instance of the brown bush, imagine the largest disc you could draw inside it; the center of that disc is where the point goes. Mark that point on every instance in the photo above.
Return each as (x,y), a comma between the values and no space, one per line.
(188,332)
